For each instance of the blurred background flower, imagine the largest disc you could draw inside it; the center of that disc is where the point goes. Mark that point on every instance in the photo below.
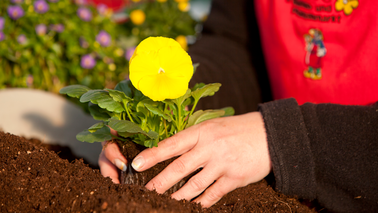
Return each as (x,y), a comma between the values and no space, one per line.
(15,12)
(84,13)
(41,29)
(21,39)
(2,21)
(103,38)
(49,44)
(41,6)
(87,62)
(57,27)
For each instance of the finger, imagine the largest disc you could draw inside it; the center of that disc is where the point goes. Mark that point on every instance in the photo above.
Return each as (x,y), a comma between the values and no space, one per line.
(176,171)
(197,184)
(168,148)
(215,192)
(107,169)
(114,155)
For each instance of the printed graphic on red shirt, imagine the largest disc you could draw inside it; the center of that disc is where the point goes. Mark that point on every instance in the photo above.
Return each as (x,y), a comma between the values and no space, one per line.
(323,10)
(315,51)
(346,5)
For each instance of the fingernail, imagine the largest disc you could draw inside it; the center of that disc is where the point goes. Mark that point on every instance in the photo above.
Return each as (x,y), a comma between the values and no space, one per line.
(120,165)
(138,163)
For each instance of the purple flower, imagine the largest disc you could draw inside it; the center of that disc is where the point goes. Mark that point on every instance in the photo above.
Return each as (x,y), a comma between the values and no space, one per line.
(101,8)
(17,1)
(129,53)
(41,29)
(57,27)
(103,38)
(41,6)
(15,12)
(87,62)
(2,36)
(84,13)
(21,39)
(2,21)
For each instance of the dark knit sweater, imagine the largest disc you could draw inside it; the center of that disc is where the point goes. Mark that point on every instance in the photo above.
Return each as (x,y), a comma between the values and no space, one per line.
(323,152)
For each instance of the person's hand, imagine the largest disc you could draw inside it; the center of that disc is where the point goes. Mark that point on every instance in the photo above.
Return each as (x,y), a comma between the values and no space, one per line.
(233,152)
(110,158)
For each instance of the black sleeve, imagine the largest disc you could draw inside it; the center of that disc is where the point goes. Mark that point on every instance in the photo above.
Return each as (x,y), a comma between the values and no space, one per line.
(224,52)
(326,152)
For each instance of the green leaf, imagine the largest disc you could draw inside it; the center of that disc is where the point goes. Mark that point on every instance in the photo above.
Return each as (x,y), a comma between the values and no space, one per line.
(198,86)
(229,111)
(157,111)
(75,91)
(103,99)
(150,143)
(130,91)
(142,109)
(200,116)
(126,87)
(207,90)
(130,127)
(153,135)
(125,134)
(98,113)
(171,105)
(181,99)
(100,135)
(95,127)
(118,95)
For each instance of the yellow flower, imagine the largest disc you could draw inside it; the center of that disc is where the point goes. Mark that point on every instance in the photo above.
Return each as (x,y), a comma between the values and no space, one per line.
(118,52)
(160,68)
(161,1)
(112,67)
(181,1)
(137,17)
(346,5)
(184,6)
(182,41)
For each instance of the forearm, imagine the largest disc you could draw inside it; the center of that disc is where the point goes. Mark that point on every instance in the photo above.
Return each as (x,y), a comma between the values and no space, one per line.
(326,152)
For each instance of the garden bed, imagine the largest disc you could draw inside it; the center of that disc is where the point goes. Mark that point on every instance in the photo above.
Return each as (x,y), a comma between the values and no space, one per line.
(35,179)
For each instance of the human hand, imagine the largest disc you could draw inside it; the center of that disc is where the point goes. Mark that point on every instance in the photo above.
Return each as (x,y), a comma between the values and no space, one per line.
(110,158)
(233,152)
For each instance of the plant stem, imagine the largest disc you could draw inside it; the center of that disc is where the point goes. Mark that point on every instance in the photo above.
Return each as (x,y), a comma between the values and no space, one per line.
(165,124)
(127,111)
(179,118)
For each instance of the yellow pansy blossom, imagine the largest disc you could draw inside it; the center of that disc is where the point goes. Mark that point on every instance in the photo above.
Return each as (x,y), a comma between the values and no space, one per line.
(346,5)
(137,17)
(161,69)
(182,41)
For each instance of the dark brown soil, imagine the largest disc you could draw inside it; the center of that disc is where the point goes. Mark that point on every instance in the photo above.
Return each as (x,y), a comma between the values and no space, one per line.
(35,179)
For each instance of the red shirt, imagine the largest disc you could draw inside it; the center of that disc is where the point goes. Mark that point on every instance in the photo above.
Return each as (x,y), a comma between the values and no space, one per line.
(321,51)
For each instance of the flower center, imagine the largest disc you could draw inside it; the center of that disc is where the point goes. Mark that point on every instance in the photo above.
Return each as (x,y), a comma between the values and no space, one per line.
(161,70)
